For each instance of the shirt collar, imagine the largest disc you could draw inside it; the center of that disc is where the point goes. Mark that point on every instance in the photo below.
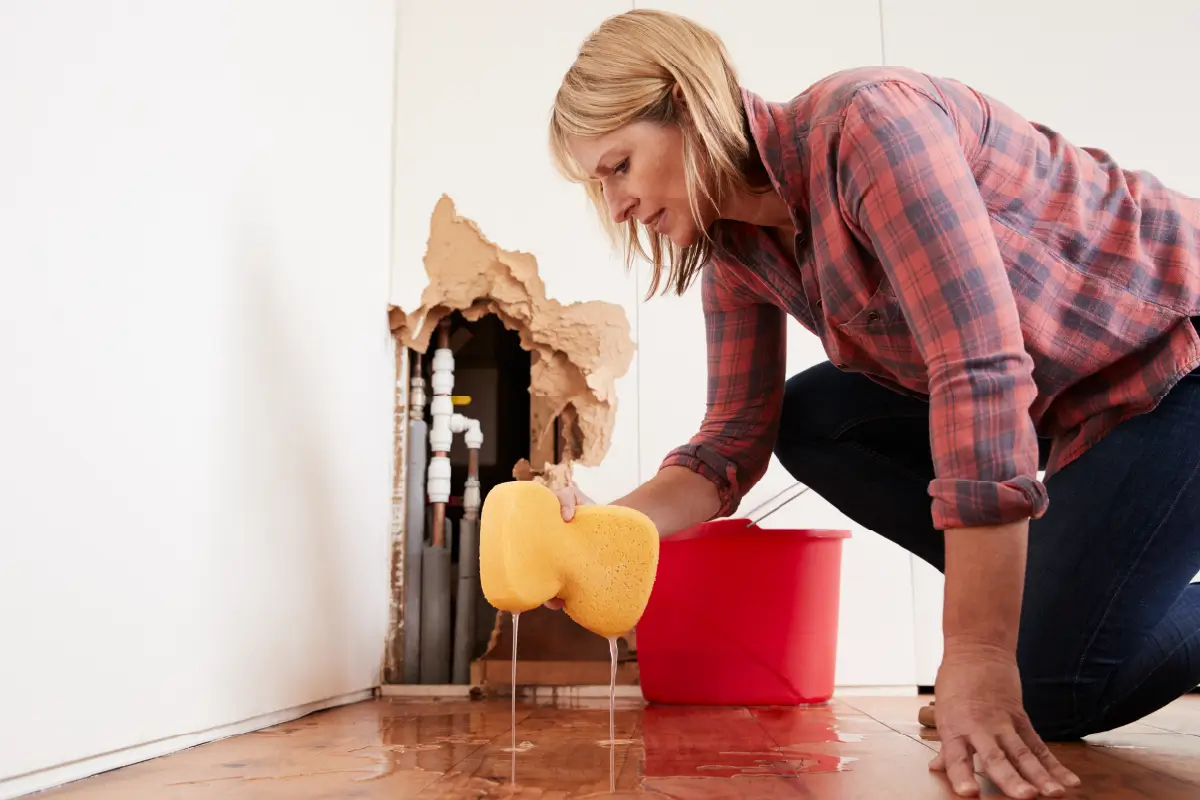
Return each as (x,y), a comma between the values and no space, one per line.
(777,130)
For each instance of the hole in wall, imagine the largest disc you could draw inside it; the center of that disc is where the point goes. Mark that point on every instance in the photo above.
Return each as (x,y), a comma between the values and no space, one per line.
(493,371)
(504,333)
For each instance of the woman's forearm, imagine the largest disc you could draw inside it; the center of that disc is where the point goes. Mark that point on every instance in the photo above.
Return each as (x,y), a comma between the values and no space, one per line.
(985,583)
(675,499)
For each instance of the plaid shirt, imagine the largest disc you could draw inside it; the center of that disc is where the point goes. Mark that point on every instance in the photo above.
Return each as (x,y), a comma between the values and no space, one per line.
(948,248)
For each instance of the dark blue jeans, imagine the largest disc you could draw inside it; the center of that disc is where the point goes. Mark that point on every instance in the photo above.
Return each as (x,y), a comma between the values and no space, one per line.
(1110,627)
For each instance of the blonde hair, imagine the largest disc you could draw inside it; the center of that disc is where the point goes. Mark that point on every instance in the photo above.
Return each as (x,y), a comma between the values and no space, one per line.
(626,72)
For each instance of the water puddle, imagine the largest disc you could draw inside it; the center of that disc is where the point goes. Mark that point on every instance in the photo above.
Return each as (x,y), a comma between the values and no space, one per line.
(785,763)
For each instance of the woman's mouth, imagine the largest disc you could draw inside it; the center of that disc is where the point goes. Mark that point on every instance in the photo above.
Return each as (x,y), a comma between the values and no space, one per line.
(655,221)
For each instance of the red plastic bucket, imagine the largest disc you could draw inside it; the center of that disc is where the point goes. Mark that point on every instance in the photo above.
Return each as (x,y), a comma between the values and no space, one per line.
(742,616)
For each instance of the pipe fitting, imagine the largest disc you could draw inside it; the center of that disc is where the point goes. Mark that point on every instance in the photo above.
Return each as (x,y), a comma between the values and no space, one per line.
(471,497)
(441,431)
(439,479)
(472,433)
(443,371)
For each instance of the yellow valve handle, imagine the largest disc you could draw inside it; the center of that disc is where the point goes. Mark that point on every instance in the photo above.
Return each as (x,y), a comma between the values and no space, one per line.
(460,399)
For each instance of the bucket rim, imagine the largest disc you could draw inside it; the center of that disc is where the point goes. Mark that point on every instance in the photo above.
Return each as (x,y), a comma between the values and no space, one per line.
(735,527)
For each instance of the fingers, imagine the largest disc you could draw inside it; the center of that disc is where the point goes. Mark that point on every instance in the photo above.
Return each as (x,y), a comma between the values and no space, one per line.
(569,497)
(566,497)
(1042,753)
(998,767)
(955,760)
(1020,764)
(1033,759)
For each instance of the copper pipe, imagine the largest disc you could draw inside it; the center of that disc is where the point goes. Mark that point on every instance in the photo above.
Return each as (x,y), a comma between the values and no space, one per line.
(439,524)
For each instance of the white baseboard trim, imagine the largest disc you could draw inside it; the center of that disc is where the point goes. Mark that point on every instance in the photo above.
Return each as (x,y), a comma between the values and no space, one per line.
(50,777)
(875,691)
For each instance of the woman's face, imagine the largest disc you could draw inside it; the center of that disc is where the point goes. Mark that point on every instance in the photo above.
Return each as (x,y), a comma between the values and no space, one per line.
(640,169)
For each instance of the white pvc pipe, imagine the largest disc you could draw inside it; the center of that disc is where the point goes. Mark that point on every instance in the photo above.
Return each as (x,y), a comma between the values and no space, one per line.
(441,410)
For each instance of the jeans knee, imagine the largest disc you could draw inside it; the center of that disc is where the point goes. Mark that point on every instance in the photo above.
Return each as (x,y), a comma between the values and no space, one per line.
(1054,718)
(1061,709)
(803,415)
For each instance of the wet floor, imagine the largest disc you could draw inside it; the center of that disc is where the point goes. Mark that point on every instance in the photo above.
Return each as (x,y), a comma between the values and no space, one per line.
(856,748)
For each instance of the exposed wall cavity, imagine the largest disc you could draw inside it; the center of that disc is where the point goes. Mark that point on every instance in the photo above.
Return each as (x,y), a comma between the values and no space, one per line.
(579,349)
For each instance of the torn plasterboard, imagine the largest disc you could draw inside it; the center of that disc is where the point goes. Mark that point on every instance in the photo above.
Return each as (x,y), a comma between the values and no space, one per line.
(554,476)
(580,348)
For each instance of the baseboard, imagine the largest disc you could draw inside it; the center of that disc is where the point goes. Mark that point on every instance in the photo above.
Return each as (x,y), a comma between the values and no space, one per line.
(875,691)
(50,777)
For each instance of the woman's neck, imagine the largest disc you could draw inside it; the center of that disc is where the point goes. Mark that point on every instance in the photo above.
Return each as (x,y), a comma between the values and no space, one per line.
(765,209)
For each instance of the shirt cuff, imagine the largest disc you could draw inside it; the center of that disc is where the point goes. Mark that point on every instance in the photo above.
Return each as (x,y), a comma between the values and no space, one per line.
(976,504)
(707,462)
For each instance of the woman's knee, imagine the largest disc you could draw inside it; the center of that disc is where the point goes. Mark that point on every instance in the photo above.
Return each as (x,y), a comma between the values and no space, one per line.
(805,396)
(1062,702)
(823,404)
(1054,713)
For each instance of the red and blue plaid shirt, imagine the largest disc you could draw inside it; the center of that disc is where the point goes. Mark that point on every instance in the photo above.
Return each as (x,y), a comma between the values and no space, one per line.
(948,248)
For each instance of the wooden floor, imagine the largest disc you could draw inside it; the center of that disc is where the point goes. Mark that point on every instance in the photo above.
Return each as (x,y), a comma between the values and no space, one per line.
(855,748)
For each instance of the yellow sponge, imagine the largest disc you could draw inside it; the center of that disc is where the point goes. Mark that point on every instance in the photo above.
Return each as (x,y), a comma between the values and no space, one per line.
(602,563)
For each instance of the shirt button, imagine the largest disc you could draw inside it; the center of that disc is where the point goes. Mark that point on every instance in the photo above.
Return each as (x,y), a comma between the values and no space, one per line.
(818,304)
(873,316)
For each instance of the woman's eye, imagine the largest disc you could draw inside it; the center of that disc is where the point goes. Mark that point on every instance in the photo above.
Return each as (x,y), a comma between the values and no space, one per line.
(622,167)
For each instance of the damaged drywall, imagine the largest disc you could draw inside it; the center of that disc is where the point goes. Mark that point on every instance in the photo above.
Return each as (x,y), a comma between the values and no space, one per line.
(393,657)
(579,349)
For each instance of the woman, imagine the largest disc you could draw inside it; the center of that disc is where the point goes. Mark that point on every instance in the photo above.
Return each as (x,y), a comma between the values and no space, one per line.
(993,300)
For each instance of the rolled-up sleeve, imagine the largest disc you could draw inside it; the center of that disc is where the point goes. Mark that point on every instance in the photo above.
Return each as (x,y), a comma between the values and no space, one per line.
(746,341)
(907,190)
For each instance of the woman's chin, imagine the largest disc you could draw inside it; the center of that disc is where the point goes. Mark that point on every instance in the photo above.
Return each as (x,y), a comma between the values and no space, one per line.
(684,238)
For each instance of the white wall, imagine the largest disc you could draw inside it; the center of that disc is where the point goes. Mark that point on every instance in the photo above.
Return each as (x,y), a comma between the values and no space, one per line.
(1106,74)
(195,428)
(473,126)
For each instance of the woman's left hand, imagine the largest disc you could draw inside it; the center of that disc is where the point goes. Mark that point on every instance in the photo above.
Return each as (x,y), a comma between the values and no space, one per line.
(980,711)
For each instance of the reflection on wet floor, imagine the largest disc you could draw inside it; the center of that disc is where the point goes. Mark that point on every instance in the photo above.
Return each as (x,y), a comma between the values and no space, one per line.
(453,749)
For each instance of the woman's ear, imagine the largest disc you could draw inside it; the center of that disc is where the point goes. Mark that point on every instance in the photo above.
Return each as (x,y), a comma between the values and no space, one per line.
(677,97)
(679,103)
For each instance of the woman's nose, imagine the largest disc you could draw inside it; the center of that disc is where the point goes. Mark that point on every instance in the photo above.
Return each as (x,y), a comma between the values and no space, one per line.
(621,208)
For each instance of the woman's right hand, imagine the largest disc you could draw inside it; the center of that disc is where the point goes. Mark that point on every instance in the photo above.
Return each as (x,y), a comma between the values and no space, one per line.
(568,498)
